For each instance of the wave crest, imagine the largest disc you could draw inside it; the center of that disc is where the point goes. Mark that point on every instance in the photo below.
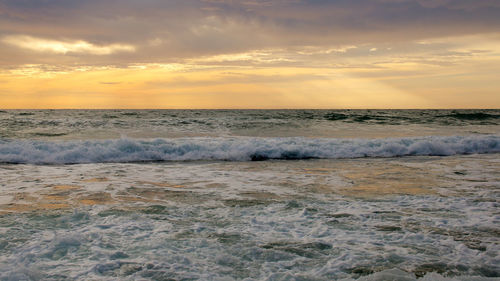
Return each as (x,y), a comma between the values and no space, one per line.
(238,149)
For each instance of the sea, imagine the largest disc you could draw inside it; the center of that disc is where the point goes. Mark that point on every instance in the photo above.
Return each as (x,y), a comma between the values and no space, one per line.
(250,195)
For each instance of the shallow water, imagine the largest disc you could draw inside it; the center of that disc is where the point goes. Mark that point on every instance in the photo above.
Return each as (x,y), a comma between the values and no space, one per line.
(272,220)
(179,195)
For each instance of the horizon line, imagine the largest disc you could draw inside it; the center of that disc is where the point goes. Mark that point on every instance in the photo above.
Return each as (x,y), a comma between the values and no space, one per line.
(431,108)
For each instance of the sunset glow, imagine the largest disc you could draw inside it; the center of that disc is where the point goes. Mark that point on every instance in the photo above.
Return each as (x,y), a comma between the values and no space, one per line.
(250,54)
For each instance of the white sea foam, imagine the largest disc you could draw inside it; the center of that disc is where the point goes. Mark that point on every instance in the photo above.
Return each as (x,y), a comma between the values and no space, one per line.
(399,275)
(275,220)
(238,149)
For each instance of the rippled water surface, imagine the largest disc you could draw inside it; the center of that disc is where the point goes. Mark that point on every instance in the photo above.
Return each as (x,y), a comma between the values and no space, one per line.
(367,195)
(105,124)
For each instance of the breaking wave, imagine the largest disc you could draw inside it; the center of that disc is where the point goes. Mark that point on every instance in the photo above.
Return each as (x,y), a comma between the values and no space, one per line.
(238,149)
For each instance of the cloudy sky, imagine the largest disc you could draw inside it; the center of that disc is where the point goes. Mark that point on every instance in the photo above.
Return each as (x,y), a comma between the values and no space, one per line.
(249,54)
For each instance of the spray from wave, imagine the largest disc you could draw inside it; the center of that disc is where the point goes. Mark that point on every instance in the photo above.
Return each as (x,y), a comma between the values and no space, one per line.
(238,149)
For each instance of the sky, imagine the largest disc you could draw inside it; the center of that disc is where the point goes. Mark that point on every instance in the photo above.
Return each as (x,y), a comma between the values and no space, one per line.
(249,54)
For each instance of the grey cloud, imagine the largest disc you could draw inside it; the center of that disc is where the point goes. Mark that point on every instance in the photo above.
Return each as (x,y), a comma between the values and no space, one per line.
(191,28)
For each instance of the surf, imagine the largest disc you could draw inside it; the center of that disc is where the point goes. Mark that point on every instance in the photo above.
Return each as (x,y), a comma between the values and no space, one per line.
(125,150)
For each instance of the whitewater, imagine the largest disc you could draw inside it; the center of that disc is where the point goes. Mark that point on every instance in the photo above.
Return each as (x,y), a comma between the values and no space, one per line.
(249,195)
(239,149)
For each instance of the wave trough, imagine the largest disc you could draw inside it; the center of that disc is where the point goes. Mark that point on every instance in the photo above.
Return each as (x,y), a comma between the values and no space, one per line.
(238,149)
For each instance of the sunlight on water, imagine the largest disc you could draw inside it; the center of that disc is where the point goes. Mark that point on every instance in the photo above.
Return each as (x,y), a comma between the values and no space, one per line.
(312,220)
(187,195)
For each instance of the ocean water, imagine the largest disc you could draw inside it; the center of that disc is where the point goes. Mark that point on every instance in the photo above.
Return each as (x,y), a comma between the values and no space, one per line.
(249,195)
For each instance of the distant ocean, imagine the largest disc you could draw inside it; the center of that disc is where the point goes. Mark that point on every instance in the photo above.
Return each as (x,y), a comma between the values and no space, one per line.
(249,194)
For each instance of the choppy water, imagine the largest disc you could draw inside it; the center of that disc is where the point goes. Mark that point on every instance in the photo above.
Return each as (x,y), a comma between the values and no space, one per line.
(175,195)
(107,124)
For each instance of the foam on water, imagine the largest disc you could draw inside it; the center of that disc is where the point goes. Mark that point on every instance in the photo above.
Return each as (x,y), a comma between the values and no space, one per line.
(361,212)
(266,241)
(375,219)
(238,149)
(399,275)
